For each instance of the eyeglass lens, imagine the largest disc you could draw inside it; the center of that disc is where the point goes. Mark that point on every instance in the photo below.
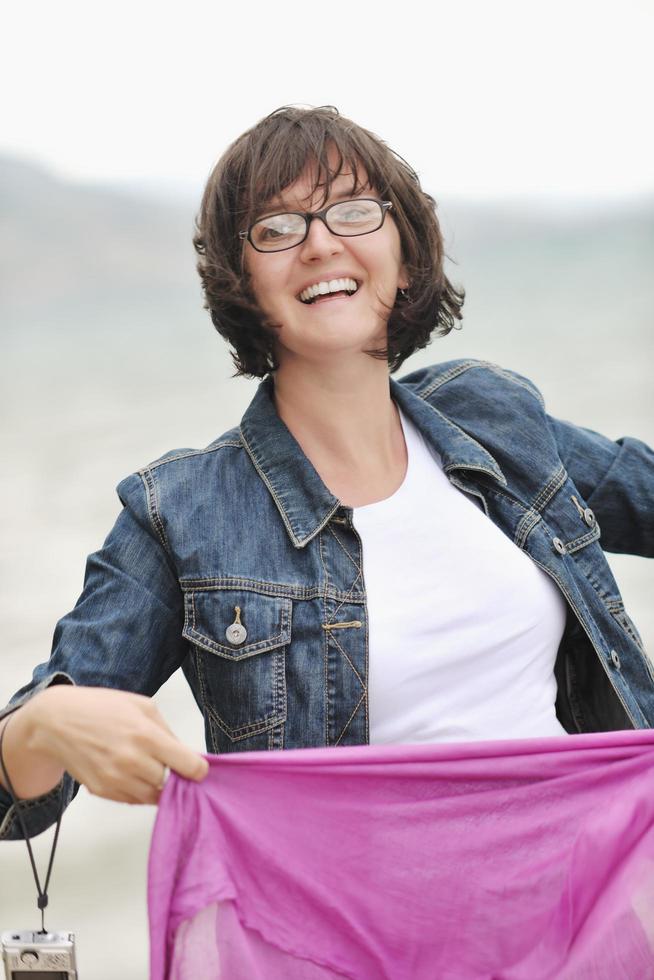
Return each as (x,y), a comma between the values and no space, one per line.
(279,231)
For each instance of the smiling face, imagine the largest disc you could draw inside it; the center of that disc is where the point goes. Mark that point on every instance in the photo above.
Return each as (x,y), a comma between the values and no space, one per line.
(336,324)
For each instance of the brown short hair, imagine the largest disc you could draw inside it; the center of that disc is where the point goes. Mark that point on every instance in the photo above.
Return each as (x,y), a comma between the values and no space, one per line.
(260,165)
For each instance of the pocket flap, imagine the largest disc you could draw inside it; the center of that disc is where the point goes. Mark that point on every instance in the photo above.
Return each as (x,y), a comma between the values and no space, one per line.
(264,620)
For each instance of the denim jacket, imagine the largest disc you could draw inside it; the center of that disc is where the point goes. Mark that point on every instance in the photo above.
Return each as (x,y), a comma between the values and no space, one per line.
(237,564)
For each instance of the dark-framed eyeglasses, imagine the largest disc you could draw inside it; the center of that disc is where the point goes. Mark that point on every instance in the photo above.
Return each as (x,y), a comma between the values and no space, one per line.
(278,232)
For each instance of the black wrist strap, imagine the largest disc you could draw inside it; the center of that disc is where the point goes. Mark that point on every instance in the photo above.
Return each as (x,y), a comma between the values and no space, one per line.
(42,900)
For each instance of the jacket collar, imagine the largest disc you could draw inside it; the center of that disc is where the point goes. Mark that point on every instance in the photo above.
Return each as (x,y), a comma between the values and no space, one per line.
(304,502)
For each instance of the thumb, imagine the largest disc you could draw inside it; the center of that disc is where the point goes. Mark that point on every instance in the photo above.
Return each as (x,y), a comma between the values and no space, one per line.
(183,760)
(202,770)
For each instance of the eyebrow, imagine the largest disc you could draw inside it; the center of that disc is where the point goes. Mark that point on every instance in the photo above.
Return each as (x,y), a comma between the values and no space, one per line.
(279,203)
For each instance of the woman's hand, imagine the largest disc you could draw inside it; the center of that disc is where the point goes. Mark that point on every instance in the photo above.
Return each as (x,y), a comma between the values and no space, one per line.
(113,742)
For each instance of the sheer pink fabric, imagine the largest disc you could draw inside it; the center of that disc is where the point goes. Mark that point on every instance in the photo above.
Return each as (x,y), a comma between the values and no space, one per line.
(514,860)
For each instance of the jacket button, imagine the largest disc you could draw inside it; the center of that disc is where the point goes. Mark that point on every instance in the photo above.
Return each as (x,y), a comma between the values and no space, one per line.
(589,517)
(236,632)
(559,546)
(616,660)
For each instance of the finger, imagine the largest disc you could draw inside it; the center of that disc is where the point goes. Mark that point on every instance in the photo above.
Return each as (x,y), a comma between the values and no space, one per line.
(140,792)
(152,772)
(133,790)
(182,760)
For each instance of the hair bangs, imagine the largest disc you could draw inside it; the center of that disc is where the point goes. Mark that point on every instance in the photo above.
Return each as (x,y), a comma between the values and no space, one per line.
(281,163)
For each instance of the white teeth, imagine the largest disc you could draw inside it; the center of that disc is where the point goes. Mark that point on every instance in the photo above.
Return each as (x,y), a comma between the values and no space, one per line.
(332,286)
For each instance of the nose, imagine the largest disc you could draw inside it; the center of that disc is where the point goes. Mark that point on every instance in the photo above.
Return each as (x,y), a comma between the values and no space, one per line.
(320,242)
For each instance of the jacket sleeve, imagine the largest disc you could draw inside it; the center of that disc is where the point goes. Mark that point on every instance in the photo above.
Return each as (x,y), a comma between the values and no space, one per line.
(617,481)
(125,632)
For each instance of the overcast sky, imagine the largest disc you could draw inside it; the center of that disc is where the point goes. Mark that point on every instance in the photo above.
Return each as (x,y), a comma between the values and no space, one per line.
(483,97)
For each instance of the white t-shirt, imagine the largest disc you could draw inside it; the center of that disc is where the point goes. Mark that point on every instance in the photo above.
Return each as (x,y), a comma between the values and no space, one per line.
(464,627)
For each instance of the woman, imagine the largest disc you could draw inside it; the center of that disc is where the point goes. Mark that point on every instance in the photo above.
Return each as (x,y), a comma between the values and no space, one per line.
(362,560)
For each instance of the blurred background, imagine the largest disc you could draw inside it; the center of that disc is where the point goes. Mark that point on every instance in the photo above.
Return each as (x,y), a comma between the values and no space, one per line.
(530,125)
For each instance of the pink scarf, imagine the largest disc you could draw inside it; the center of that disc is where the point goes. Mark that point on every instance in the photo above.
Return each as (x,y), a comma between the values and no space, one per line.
(507,860)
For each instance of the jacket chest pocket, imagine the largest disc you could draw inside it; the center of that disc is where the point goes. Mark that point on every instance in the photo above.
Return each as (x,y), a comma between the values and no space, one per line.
(240,639)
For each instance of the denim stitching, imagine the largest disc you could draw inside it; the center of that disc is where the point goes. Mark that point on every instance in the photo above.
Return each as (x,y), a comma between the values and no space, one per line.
(191,606)
(261,587)
(347,723)
(344,652)
(254,728)
(542,498)
(195,656)
(578,543)
(527,523)
(325,649)
(245,731)
(298,542)
(350,593)
(473,442)
(328,634)
(252,650)
(366,650)
(266,481)
(188,455)
(345,595)
(235,734)
(276,738)
(213,737)
(622,617)
(546,492)
(446,376)
(459,369)
(207,642)
(242,731)
(147,478)
(553,574)
(469,468)
(359,569)
(279,673)
(581,620)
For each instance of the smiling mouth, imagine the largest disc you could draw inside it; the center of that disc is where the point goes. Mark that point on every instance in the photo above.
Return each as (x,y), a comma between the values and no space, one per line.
(324,291)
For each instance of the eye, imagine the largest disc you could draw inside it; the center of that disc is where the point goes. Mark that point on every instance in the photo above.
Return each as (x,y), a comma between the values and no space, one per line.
(355,216)
(278,228)
(270,231)
(352,213)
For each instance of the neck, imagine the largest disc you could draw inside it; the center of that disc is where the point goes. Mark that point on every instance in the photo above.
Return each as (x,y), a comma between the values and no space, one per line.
(343,418)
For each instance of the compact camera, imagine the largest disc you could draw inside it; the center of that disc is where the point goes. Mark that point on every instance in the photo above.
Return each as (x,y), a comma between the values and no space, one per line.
(39,955)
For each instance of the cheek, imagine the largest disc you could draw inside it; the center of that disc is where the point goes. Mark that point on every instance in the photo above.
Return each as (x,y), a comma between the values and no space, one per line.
(260,289)
(388,256)
(267,282)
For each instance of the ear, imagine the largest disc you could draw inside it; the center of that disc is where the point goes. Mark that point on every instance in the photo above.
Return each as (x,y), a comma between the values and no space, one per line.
(402,278)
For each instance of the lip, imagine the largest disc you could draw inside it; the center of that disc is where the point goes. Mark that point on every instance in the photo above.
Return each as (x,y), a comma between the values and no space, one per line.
(327,277)
(327,299)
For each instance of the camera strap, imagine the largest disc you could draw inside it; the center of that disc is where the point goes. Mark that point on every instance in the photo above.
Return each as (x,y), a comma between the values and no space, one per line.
(42,900)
